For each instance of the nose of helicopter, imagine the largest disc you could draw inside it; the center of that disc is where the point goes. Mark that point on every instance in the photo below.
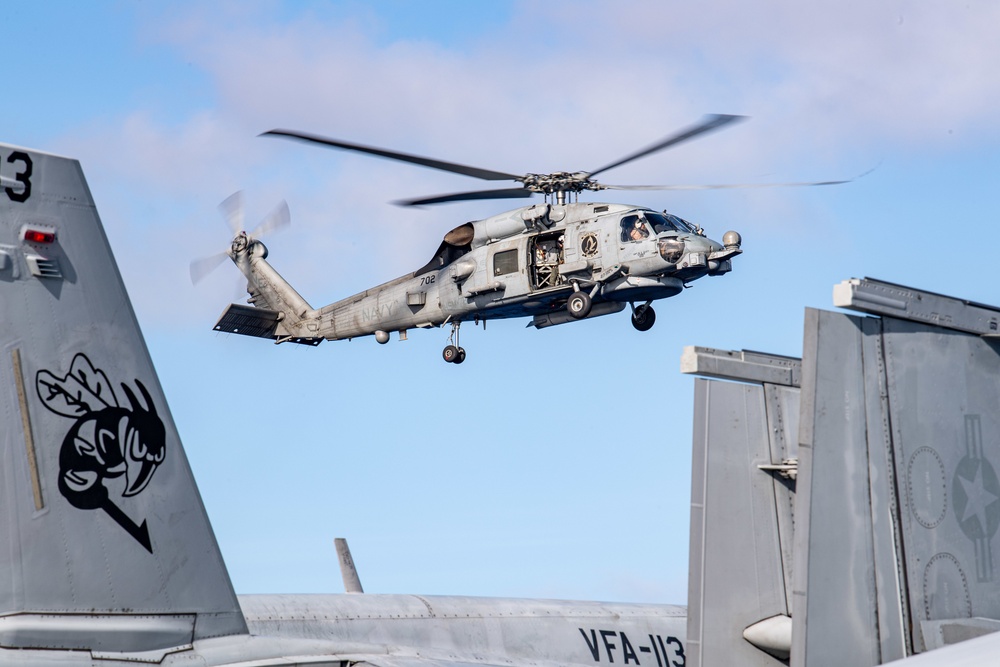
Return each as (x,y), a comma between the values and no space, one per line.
(713,246)
(729,247)
(702,244)
(719,258)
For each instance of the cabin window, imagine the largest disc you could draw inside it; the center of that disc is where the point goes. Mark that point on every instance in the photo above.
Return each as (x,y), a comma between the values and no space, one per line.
(634,229)
(505,262)
(663,223)
(666,222)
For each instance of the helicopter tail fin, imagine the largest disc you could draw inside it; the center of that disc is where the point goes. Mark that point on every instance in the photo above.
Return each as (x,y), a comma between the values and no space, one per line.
(277,311)
(107,543)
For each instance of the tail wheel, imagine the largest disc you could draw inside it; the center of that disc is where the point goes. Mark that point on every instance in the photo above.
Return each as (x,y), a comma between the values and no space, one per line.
(643,318)
(578,305)
(451,353)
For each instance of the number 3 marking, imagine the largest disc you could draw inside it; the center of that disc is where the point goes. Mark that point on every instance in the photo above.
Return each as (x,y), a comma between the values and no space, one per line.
(21,177)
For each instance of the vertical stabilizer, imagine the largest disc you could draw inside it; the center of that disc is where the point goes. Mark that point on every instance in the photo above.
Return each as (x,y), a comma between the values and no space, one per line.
(349,573)
(900,499)
(100,515)
(742,491)
(893,486)
(846,595)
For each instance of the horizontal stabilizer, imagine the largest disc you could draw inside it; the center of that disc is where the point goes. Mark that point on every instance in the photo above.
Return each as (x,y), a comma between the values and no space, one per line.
(248,321)
(256,322)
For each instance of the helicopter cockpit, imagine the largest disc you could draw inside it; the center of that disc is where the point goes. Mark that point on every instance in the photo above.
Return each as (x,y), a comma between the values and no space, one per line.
(636,227)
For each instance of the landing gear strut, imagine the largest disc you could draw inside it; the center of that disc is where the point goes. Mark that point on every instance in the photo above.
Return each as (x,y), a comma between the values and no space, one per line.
(643,317)
(453,353)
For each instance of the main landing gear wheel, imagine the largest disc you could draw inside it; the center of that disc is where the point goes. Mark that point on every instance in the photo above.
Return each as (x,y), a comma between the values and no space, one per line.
(643,317)
(578,305)
(454,353)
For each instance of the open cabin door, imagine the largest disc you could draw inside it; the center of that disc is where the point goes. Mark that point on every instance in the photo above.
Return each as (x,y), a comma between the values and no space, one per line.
(545,256)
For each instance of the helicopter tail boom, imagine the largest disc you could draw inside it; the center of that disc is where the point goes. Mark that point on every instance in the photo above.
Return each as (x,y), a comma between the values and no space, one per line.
(277,311)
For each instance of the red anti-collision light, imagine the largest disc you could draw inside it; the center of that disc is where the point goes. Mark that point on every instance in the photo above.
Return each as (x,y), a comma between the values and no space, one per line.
(38,236)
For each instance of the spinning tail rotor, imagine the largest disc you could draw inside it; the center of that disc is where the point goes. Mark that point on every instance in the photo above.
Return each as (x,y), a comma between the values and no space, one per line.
(232,210)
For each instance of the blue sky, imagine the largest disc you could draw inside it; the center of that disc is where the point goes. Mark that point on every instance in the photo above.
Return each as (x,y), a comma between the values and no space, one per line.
(553,463)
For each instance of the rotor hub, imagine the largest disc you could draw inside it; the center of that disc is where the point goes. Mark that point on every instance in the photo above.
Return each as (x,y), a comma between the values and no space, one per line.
(240,243)
(560,181)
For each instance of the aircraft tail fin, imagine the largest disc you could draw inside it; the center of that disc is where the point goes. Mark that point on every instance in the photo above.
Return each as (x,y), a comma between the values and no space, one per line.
(348,572)
(742,490)
(882,443)
(108,544)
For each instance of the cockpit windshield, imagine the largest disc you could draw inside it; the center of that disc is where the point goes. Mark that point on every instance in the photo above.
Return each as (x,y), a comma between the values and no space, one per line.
(667,222)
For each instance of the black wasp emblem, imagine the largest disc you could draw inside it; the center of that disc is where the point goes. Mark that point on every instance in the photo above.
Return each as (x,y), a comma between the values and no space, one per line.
(110,448)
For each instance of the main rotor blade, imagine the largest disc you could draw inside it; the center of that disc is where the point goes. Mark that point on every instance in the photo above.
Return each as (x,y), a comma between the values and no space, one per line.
(718,187)
(475,172)
(707,124)
(276,219)
(232,210)
(204,266)
(509,193)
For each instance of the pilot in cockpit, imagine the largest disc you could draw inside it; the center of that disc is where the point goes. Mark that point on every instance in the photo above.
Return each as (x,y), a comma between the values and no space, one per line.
(639,231)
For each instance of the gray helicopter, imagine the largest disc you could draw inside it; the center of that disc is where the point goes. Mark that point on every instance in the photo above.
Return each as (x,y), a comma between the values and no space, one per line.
(556,262)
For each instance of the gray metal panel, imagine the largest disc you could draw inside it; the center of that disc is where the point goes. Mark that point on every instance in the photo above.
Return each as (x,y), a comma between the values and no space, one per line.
(735,567)
(482,630)
(944,392)
(742,365)
(882,298)
(782,407)
(891,603)
(978,652)
(937,634)
(834,596)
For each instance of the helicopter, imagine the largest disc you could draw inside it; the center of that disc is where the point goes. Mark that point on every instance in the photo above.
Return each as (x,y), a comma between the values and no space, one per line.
(556,262)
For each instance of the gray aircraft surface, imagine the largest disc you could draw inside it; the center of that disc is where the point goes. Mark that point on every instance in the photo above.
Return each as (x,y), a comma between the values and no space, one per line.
(555,262)
(844,505)
(109,558)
